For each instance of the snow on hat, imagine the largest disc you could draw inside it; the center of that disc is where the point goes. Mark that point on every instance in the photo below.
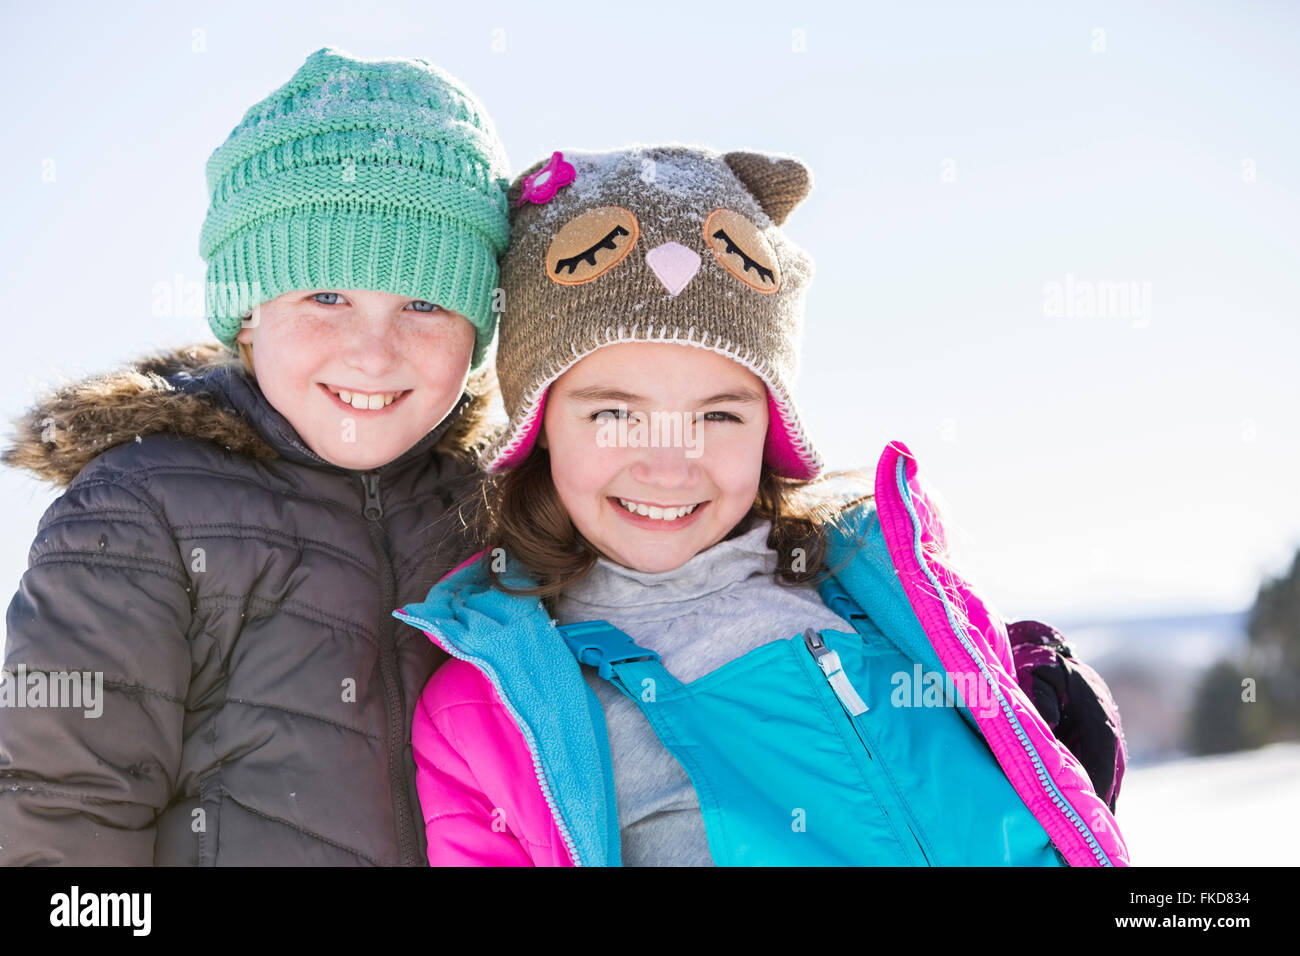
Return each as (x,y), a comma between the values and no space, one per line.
(668,243)
(358,174)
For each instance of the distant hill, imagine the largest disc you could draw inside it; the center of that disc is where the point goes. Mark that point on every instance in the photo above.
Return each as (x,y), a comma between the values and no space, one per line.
(1151,665)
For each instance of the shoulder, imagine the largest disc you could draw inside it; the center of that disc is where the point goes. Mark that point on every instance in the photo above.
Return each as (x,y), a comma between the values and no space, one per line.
(141,455)
(161,471)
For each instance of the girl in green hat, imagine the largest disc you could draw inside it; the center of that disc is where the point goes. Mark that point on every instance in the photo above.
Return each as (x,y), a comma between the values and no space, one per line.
(238,520)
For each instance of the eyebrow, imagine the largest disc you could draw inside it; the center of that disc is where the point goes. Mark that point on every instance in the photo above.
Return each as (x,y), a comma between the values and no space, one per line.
(604,393)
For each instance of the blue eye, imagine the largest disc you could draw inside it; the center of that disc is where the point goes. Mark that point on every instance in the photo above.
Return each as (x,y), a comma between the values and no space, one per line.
(419,305)
(617,413)
(318,295)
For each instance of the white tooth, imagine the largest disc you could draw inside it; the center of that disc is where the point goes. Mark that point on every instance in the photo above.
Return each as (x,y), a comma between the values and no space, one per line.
(376,401)
(360,401)
(657,512)
(345,395)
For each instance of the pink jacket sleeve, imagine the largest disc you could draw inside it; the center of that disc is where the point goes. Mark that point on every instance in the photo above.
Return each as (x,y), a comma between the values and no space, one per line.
(473,799)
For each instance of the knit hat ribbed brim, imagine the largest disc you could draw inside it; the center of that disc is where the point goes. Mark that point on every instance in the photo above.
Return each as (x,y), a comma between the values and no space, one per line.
(382,174)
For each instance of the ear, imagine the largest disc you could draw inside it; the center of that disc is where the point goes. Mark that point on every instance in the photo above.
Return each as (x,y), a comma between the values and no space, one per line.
(245,335)
(779,183)
(517,187)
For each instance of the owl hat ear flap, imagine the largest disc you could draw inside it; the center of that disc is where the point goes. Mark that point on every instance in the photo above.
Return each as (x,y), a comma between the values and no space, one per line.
(779,183)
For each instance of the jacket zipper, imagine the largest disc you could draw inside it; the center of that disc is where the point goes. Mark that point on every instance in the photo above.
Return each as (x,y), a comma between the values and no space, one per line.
(397,776)
(533,750)
(854,707)
(829,662)
(1044,779)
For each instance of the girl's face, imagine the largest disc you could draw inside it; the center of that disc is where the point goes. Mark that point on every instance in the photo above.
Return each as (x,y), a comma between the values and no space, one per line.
(654,452)
(362,376)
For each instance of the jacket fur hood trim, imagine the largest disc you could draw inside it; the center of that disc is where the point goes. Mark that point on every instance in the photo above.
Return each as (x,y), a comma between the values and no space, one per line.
(66,429)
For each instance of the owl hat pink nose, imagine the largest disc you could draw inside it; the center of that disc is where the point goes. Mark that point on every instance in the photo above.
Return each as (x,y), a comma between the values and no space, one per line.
(674,264)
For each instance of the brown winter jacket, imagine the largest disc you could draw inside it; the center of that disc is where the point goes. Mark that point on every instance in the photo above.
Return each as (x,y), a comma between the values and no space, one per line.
(236,591)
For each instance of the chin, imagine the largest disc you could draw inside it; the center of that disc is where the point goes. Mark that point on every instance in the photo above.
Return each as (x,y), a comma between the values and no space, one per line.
(659,562)
(350,460)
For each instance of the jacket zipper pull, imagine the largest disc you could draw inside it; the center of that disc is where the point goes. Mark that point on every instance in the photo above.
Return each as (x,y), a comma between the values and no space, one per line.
(370,481)
(829,661)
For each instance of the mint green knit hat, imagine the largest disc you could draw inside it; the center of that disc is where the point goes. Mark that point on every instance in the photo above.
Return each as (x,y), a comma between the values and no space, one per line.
(358,174)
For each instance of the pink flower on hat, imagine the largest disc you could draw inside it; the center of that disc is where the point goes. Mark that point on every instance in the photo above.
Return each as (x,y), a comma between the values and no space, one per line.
(542,185)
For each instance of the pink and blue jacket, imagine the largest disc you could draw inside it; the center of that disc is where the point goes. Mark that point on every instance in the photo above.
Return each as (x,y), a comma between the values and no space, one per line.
(511,755)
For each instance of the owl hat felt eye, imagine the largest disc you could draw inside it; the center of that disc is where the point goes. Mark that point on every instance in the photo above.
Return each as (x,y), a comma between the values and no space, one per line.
(669,243)
(590,245)
(728,234)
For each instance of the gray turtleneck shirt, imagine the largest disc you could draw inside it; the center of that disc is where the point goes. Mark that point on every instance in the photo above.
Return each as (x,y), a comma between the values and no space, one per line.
(719,605)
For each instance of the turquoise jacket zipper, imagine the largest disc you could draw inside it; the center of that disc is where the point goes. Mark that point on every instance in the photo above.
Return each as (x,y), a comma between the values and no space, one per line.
(853,706)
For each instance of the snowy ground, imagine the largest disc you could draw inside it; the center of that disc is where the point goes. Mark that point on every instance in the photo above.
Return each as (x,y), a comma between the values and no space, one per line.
(1235,810)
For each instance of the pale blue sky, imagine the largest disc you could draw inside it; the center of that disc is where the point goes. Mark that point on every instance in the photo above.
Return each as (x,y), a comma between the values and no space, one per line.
(963,159)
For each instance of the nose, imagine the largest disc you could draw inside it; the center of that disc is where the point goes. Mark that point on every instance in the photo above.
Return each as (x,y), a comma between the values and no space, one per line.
(665,467)
(370,347)
(674,264)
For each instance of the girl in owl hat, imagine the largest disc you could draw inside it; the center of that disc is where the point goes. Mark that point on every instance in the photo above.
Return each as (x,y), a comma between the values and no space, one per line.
(736,659)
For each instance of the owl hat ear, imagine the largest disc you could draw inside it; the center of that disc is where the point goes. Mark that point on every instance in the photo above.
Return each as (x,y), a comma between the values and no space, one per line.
(779,183)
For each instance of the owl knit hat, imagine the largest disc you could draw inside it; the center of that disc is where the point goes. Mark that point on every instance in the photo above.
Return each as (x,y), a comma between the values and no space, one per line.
(358,174)
(667,243)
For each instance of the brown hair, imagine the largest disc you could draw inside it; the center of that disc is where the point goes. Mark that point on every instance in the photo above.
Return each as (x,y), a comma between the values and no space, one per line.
(473,431)
(520,512)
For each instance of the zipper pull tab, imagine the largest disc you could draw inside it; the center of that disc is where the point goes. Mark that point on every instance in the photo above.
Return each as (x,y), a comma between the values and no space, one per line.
(829,661)
(370,481)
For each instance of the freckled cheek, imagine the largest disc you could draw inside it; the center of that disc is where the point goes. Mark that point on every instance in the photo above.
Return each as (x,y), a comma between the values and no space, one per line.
(440,354)
(439,359)
(295,348)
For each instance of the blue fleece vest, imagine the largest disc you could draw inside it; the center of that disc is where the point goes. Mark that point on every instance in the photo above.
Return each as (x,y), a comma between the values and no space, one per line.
(827,748)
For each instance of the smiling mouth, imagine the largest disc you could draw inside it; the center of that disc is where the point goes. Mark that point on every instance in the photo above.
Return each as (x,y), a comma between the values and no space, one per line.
(656,512)
(364,401)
